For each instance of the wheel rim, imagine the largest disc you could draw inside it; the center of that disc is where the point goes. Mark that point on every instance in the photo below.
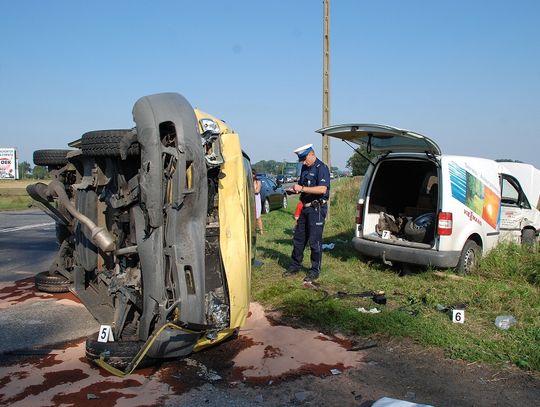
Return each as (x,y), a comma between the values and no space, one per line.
(469,261)
(266,206)
(284,201)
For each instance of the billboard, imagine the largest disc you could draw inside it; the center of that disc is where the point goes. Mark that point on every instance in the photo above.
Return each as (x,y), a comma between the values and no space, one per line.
(8,163)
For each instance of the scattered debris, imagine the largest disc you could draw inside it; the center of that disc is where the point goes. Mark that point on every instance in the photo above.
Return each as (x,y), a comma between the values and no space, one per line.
(365,345)
(300,396)
(378,297)
(370,311)
(328,246)
(390,402)
(91,396)
(448,276)
(311,284)
(449,310)
(410,311)
(335,372)
(257,263)
(505,321)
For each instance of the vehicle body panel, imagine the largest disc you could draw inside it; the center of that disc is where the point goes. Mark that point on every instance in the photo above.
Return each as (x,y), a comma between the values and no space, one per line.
(381,138)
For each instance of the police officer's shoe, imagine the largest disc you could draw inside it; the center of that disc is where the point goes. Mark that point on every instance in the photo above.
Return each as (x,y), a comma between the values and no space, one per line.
(311,277)
(291,271)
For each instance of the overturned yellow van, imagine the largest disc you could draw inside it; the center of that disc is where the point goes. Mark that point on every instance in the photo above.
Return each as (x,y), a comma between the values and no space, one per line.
(155,225)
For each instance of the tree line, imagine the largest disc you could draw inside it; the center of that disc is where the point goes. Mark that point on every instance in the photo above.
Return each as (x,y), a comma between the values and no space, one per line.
(27,172)
(356,164)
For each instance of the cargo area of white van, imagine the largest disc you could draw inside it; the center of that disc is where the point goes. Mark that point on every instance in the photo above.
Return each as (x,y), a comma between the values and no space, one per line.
(404,188)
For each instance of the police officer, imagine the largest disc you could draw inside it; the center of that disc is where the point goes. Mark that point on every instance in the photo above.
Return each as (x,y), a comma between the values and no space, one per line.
(314,189)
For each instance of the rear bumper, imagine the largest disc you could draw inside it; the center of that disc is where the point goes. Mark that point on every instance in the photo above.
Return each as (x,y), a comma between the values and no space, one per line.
(403,254)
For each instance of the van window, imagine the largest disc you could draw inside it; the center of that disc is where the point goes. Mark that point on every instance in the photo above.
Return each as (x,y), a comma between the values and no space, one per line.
(512,194)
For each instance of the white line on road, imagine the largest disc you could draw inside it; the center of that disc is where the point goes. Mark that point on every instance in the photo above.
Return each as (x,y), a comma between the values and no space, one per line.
(17,228)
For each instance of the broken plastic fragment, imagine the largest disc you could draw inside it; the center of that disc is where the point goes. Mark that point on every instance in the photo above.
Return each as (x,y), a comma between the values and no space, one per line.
(370,311)
(505,321)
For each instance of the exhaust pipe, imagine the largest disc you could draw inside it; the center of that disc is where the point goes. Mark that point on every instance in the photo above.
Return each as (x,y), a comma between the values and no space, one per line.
(98,235)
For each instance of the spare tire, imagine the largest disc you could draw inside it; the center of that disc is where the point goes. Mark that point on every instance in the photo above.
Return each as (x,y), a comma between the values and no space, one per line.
(51,283)
(51,157)
(108,143)
(421,229)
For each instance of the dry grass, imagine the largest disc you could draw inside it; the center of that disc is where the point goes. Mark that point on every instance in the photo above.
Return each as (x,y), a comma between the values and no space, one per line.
(13,194)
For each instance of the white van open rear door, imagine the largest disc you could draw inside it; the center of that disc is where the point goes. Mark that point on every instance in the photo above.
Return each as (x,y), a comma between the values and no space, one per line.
(383,139)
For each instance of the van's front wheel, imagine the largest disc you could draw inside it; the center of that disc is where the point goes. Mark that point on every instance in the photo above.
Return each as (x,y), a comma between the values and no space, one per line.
(470,255)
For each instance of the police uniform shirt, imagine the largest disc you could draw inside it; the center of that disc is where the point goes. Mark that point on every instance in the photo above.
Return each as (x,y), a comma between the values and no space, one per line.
(316,175)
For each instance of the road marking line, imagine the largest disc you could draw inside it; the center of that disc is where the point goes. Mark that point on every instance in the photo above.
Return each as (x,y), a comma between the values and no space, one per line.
(17,228)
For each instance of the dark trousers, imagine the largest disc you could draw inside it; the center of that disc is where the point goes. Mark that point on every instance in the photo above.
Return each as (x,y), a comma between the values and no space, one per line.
(309,228)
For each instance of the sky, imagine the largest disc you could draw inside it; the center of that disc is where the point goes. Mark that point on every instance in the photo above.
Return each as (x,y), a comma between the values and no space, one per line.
(464,73)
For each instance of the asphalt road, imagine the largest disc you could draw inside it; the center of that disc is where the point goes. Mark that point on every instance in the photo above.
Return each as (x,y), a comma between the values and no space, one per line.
(29,318)
(27,244)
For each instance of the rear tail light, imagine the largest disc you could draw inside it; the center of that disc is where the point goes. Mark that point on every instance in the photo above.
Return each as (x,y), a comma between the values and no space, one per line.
(444,224)
(359,213)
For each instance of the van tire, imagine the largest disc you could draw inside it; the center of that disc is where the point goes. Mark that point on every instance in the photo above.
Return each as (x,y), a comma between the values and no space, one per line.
(528,238)
(118,354)
(51,157)
(420,229)
(107,143)
(470,255)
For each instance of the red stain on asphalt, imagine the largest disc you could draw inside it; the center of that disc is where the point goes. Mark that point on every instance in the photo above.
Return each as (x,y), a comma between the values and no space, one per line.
(23,291)
(261,354)
(279,351)
(97,393)
(52,379)
(271,352)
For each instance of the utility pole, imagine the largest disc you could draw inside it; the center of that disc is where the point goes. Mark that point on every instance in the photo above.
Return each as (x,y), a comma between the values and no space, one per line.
(326,83)
(326,89)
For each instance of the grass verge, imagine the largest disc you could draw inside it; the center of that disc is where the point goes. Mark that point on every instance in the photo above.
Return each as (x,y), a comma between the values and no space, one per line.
(507,283)
(13,194)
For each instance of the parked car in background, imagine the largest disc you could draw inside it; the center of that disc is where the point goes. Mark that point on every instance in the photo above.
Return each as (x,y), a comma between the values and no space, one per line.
(273,196)
(280,179)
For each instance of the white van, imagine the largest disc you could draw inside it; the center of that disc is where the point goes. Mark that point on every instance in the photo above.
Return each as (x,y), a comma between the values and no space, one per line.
(418,206)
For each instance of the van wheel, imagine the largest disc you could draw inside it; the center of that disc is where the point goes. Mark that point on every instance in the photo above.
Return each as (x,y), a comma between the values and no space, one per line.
(266,206)
(528,238)
(470,255)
